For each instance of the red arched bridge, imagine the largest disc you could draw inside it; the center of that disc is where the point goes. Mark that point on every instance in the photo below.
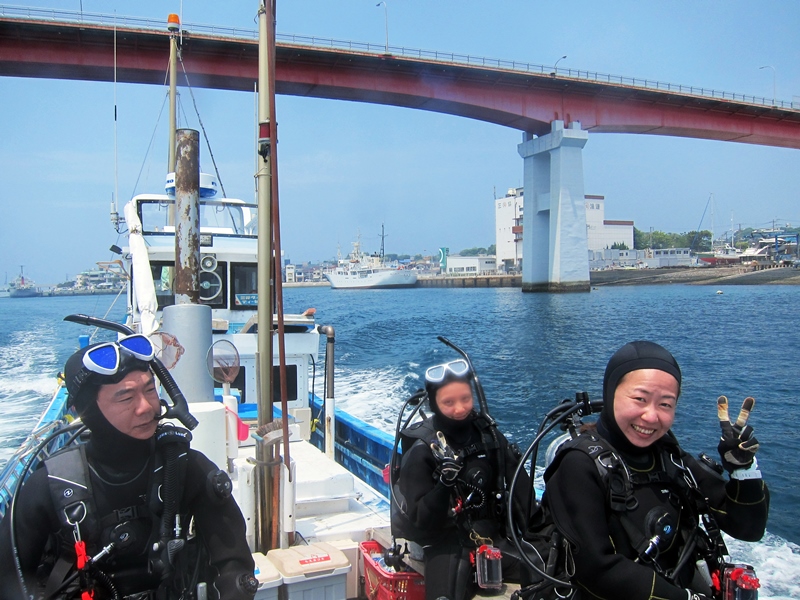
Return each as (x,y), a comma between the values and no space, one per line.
(52,44)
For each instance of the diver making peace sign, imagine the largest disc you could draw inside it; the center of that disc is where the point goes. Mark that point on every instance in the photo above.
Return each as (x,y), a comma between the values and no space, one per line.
(643,517)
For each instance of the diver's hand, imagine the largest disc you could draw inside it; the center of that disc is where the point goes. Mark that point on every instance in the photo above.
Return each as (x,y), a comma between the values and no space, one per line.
(448,463)
(737,446)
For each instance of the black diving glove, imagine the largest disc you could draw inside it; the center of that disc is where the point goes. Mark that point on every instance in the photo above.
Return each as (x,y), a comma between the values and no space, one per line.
(448,463)
(737,446)
(695,596)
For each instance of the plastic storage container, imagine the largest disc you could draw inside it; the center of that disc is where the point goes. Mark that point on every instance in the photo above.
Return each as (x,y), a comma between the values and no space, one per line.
(269,579)
(379,584)
(314,572)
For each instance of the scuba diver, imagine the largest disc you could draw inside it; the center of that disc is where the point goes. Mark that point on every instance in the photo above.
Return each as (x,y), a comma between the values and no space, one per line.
(133,513)
(631,502)
(449,491)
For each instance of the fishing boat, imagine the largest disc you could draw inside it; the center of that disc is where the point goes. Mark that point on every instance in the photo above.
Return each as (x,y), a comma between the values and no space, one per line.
(369,271)
(721,256)
(283,445)
(23,288)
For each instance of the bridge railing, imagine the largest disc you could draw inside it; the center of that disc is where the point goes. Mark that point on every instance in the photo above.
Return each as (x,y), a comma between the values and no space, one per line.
(65,16)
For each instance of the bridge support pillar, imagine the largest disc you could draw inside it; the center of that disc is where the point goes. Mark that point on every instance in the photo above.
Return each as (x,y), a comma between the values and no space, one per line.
(554,247)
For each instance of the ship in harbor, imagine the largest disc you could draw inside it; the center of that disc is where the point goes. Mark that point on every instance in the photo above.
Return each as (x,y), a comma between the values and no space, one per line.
(369,271)
(23,288)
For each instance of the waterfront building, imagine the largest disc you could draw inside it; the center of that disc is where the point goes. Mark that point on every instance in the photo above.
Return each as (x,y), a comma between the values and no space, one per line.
(100,279)
(601,233)
(470,265)
(648,258)
(508,229)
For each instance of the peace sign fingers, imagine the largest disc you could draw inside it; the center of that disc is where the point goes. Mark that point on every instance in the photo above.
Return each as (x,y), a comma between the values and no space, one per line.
(744,414)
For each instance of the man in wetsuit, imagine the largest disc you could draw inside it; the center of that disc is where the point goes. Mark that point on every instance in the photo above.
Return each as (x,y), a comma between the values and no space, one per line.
(647,544)
(452,486)
(133,475)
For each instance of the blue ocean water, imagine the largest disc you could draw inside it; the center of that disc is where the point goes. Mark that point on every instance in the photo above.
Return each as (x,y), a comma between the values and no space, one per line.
(530,351)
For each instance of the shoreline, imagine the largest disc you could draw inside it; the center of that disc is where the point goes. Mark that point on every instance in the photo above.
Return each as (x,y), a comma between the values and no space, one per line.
(732,275)
(728,275)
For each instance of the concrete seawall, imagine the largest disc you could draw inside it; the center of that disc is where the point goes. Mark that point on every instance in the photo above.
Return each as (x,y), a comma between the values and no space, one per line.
(733,275)
(476,281)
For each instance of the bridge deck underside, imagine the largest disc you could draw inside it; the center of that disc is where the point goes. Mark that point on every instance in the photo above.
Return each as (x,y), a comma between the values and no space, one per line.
(524,101)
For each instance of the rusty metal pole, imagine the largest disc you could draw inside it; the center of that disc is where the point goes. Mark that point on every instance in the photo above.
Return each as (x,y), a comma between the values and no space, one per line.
(264,357)
(187,223)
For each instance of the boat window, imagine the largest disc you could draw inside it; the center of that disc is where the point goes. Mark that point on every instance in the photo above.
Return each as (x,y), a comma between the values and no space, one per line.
(291,383)
(163,278)
(212,284)
(244,286)
(218,217)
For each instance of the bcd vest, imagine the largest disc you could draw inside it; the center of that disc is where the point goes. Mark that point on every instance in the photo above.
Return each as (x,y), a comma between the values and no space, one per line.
(138,535)
(480,486)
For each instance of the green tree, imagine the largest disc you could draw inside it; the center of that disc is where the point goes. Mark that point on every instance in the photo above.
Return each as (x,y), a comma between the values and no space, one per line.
(619,246)
(696,241)
(473,251)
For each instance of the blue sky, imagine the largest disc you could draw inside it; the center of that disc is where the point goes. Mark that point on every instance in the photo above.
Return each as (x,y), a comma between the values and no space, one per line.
(431,178)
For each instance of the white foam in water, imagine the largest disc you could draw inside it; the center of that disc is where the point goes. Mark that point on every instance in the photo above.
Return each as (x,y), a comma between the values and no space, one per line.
(25,386)
(374,396)
(777,564)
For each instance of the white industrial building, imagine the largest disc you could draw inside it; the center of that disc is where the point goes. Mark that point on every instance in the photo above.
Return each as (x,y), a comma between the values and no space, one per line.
(601,234)
(508,225)
(470,265)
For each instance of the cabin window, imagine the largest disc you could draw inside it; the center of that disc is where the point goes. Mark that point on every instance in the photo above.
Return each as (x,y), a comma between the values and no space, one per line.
(212,284)
(244,286)
(291,383)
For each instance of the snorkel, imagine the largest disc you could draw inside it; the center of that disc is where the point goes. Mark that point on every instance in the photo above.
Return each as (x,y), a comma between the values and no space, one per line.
(179,409)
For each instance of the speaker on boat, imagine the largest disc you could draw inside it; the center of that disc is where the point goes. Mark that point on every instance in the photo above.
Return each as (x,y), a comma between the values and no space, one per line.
(208,262)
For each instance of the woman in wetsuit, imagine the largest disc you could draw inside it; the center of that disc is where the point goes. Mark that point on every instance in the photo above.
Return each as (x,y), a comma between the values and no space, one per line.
(452,485)
(616,550)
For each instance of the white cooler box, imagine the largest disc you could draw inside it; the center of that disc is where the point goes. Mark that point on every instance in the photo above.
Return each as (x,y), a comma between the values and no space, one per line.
(269,579)
(314,572)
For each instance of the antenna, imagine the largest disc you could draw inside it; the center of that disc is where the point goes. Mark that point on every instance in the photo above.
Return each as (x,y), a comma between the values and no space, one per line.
(383,236)
(114,200)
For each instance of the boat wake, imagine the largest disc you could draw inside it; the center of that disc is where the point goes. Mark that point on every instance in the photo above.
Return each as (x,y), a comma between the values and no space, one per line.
(777,563)
(374,395)
(25,387)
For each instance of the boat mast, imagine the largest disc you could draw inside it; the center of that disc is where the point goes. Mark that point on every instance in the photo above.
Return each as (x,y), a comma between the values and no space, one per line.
(383,235)
(264,355)
(173,25)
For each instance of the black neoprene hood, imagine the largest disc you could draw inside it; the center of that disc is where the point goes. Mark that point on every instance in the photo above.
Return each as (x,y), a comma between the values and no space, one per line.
(634,356)
(83,385)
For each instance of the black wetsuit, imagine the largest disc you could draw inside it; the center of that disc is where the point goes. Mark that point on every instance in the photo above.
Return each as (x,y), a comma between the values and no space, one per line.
(120,476)
(445,537)
(603,553)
